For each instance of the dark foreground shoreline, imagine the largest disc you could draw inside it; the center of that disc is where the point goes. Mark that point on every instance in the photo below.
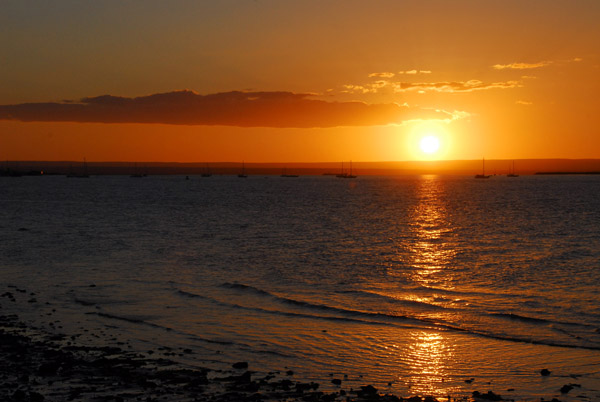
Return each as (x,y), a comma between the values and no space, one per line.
(49,367)
(38,364)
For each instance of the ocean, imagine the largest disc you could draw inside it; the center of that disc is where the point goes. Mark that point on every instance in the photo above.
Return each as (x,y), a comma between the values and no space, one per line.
(428,285)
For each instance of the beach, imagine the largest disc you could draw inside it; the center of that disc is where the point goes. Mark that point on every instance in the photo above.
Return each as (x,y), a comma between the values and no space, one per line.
(43,362)
(43,365)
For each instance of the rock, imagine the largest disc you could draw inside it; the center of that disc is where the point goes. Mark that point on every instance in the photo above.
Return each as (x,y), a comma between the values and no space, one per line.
(367,390)
(244,378)
(285,384)
(336,381)
(566,388)
(240,365)
(36,397)
(19,395)
(301,387)
(48,369)
(490,396)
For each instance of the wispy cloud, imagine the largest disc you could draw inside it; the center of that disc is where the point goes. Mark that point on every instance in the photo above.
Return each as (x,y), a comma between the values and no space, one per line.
(382,75)
(443,86)
(521,66)
(454,86)
(531,66)
(240,109)
(414,72)
(387,74)
(522,102)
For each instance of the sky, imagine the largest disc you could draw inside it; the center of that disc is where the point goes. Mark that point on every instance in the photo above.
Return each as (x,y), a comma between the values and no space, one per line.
(298,80)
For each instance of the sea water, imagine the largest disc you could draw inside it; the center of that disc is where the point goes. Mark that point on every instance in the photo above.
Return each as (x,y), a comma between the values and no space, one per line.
(414,284)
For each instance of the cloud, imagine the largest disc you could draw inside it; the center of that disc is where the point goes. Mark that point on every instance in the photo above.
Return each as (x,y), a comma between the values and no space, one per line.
(453,86)
(414,72)
(529,66)
(521,66)
(387,74)
(382,75)
(240,109)
(443,86)
(522,102)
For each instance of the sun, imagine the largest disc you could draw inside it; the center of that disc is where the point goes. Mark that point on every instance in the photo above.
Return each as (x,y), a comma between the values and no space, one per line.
(429,140)
(429,144)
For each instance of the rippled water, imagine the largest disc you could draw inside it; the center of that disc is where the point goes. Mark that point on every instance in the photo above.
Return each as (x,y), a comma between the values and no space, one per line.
(419,282)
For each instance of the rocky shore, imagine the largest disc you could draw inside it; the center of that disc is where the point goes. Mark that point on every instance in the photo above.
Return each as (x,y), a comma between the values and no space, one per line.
(38,364)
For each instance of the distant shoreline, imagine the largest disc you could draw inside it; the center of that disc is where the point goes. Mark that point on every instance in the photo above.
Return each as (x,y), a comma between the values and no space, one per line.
(497,167)
(563,173)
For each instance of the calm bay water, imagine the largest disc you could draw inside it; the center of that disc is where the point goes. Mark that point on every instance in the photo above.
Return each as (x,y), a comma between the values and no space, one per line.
(419,282)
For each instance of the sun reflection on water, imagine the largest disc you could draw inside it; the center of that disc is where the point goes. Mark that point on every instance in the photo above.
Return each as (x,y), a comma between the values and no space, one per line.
(430,265)
(432,249)
(429,355)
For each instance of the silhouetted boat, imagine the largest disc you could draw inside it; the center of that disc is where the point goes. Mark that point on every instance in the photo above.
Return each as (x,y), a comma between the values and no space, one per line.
(285,174)
(8,172)
(512,173)
(346,175)
(136,173)
(350,176)
(482,175)
(243,175)
(207,172)
(83,175)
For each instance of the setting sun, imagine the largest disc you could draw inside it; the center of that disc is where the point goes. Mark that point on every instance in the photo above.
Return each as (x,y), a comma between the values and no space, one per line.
(429,144)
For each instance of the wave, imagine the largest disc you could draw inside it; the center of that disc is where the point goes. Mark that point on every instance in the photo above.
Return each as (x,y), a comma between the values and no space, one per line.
(245,287)
(394,300)
(317,306)
(131,320)
(192,295)
(84,302)
(140,321)
(376,318)
(534,320)
(288,313)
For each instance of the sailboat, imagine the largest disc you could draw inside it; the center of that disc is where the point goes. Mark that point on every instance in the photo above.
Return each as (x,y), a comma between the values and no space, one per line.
(346,175)
(207,172)
(350,175)
(81,175)
(285,174)
(136,173)
(243,175)
(482,175)
(512,173)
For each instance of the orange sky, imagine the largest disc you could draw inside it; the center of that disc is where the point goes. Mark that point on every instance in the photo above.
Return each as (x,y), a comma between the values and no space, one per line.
(301,81)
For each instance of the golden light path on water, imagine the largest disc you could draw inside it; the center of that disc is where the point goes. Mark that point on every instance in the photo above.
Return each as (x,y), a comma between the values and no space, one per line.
(430,353)
(432,252)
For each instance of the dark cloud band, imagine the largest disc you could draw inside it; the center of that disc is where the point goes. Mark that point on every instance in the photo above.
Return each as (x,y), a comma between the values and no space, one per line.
(240,109)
